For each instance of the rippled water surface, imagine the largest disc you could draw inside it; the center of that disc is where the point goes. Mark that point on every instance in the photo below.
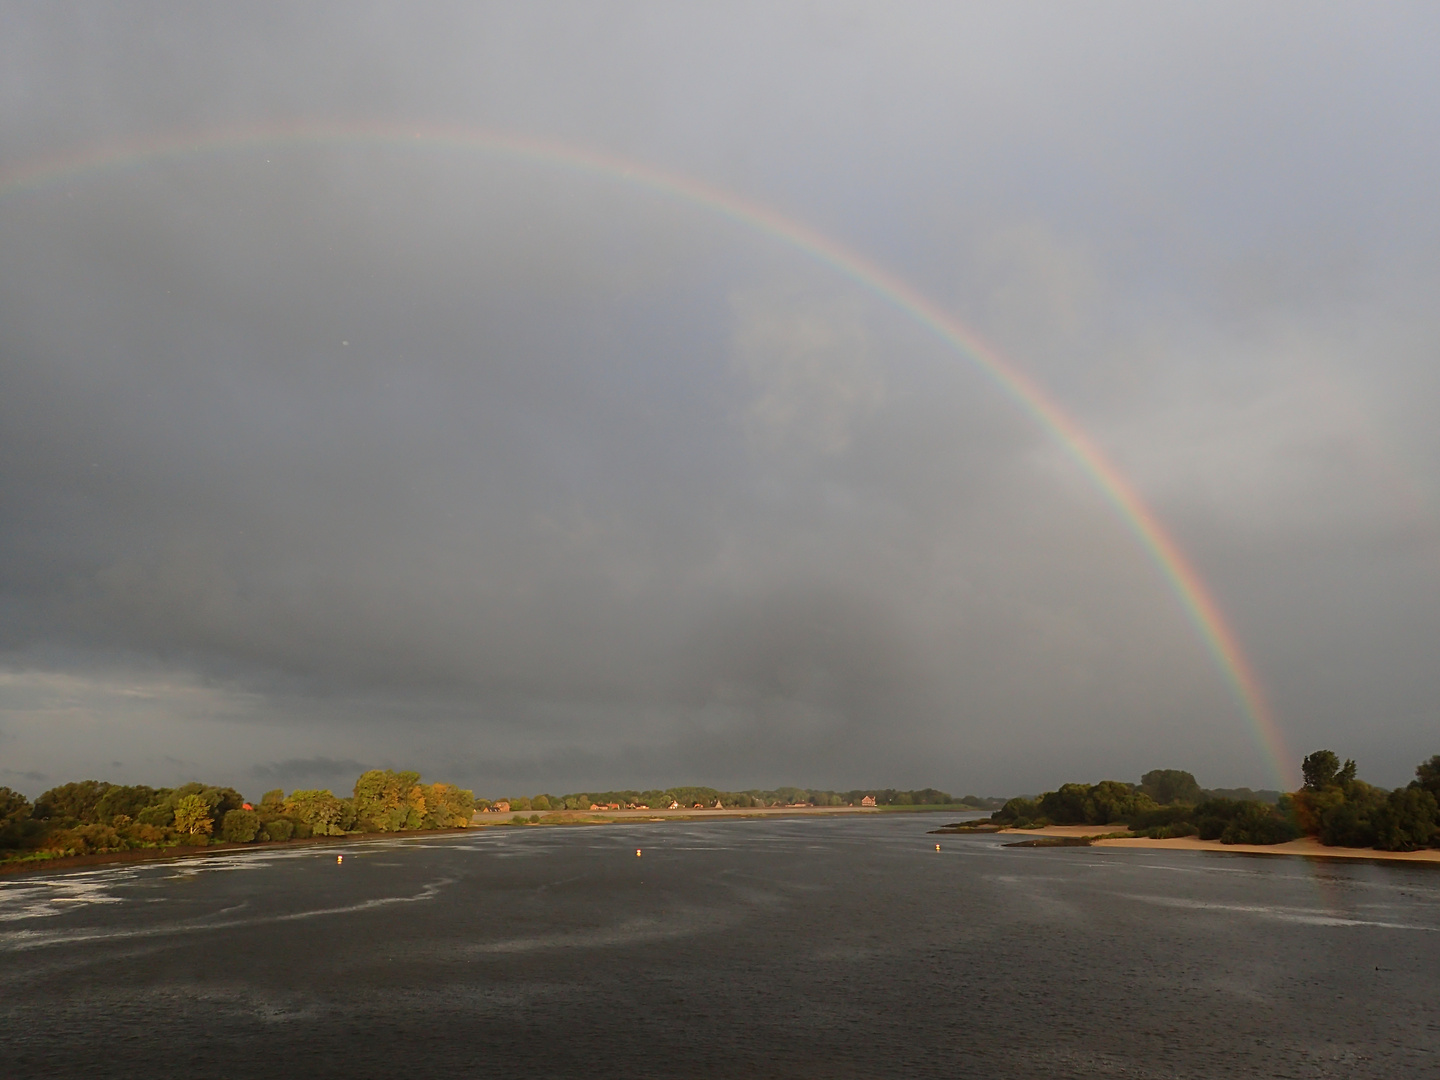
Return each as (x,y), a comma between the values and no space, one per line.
(795,948)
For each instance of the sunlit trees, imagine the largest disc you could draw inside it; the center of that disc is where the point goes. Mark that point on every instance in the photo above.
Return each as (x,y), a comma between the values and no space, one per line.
(389,801)
(447,806)
(320,811)
(192,816)
(92,815)
(383,802)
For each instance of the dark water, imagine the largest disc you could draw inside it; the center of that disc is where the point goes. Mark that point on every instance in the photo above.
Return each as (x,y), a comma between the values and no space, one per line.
(800,948)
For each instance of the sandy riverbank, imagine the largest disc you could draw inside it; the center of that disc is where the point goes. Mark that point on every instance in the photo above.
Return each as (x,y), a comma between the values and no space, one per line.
(1307,845)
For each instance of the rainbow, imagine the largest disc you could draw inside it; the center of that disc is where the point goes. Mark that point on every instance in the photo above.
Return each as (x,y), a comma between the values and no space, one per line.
(1184,580)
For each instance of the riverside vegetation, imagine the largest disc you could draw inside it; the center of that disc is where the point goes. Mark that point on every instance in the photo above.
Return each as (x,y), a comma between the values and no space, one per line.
(1332,805)
(91,817)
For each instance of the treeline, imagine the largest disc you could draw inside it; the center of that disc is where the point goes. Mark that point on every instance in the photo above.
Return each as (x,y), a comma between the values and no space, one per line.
(706,797)
(1332,805)
(94,816)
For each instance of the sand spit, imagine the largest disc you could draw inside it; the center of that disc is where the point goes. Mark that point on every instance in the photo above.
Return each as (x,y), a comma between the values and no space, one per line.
(1307,846)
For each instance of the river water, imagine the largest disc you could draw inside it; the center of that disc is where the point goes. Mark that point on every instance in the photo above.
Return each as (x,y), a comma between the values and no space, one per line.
(821,947)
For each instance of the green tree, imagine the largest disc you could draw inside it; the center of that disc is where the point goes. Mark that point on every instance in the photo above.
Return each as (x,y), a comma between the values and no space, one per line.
(321,811)
(1167,786)
(161,813)
(1258,823)
(382,800)
(1065,805)
(1322,769)
(73,803)
(1112,800)
(1427,776)
(127,800)
(239,826)
(279,829)
(16,822)
(1408,821)
(447,807)
(192,816)
(1014,812)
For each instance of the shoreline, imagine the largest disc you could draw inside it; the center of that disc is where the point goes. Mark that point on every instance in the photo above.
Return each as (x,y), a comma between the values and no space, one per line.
(548,817)
(1306,847)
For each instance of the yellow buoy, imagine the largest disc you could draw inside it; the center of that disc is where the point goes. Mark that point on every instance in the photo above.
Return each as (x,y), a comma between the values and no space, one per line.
(637,853)
(339,858)
(937,847)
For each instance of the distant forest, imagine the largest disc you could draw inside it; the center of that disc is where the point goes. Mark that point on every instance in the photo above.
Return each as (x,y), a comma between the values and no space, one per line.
(707,797)
(1332,805)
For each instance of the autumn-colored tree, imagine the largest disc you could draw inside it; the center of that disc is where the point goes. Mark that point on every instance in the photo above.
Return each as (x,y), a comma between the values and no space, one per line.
(447,806)
(321,811)
(383,800)
(192,816)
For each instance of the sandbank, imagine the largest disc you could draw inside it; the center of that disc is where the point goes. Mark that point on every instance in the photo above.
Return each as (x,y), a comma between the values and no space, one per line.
(1306,846)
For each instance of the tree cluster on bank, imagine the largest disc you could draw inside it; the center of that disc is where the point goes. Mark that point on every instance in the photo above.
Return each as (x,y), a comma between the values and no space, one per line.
(92,816)
(707,797)
(1332,805)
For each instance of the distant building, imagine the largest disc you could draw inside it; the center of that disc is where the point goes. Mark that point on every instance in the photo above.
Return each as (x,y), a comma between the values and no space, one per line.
(503,806)
(868,800)
(673,805)
(717,805)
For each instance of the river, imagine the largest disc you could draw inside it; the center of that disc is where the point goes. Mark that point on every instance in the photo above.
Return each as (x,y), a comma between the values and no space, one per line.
(819,947)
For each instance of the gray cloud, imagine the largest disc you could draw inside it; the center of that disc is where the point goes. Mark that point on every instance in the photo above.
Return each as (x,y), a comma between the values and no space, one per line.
(321,453)
(299,772)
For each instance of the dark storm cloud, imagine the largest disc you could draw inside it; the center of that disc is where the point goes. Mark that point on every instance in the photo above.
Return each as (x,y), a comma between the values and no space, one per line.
(30,776)
(315,455)
(299,772)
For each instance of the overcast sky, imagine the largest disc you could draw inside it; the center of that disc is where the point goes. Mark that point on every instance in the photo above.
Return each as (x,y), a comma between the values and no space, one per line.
(316,457)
